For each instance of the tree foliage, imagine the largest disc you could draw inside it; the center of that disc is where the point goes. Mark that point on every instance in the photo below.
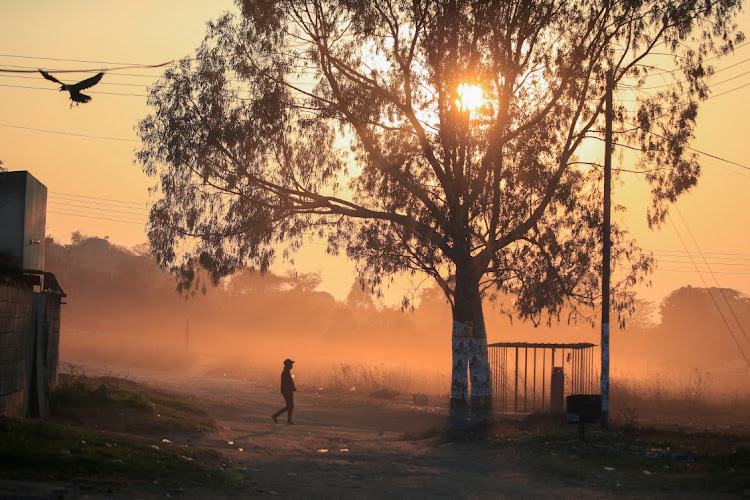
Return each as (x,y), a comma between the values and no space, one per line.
(341,119)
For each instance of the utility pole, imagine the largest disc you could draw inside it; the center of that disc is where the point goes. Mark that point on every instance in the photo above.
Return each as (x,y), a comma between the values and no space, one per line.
(606,244)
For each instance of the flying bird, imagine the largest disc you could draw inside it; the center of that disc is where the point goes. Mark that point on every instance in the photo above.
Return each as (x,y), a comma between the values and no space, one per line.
(75,89)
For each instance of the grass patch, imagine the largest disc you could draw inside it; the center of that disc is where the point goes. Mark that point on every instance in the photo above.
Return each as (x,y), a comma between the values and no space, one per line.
(621,461)
(646,461)
(124,406)
(108,434)
(43,450)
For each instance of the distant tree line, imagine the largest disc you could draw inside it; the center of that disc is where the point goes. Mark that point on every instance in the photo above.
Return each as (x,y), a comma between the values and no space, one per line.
(116,291)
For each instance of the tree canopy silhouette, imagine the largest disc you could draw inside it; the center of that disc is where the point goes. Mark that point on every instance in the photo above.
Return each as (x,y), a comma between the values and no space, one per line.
(342,119)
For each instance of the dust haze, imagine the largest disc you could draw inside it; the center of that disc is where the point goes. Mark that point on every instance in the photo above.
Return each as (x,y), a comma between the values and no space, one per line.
(123,315)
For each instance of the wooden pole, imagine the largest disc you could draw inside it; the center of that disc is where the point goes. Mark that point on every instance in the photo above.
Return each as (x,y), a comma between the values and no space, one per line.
(606,250)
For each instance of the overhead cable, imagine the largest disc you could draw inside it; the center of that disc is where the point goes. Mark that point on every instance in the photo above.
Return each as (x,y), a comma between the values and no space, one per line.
(742,352)
(721,290)
(68,133)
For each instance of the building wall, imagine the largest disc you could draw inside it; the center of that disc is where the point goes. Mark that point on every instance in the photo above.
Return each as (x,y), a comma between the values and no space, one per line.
(23,210)
(15,323)
(52,316)
(35,224)
(18,337)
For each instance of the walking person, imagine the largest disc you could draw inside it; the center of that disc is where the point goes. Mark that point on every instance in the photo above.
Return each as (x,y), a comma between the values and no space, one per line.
(287,390)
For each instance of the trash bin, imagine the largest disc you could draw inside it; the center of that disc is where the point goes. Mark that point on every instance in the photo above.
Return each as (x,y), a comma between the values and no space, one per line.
(583,409)
(557,390)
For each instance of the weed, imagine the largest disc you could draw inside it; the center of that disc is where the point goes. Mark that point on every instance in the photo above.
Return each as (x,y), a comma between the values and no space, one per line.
(629,416)
(367,378)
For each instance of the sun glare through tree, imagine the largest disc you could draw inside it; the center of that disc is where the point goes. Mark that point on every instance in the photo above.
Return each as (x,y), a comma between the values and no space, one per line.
(470,97)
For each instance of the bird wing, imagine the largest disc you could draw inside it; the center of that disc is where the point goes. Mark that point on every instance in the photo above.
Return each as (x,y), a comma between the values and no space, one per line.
(50,77)
(88,82)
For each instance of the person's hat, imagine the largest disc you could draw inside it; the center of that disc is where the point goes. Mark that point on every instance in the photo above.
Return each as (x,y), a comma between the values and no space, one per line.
(288,362)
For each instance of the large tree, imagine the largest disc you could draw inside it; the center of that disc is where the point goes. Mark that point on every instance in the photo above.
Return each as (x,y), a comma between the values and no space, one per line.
(349,120)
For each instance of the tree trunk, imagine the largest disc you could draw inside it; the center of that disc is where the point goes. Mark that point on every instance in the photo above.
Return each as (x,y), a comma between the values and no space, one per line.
(470,361)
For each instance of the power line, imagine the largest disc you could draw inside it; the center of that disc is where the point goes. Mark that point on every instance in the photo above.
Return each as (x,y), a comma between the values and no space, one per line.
(715,72)
(35,70)
(728,91)
(28,69)
(722,261)
(692,271)
(673,71)
(735,265)
(719,261)
(709,154)
(731,78)
(88,203)
(636,127)
(745,255)
(68,133)
(94,197)
(69,60)
(721,290)
(94,217)
(109,210)
(709,293)
(100,83)
(727,169)
(90,92)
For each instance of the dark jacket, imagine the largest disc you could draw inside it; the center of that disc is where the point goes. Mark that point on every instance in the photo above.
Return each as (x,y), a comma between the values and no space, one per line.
(287,383)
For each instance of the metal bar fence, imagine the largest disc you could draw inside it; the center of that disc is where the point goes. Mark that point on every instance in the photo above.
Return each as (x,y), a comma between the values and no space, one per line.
(511,374)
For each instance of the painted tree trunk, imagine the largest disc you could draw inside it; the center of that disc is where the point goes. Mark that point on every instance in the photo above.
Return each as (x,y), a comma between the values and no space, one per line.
(469,342)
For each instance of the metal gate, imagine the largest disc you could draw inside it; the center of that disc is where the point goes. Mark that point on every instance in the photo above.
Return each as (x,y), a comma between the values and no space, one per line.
(528,377)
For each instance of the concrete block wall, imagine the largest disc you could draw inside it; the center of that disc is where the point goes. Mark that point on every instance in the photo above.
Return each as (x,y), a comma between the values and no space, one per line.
(15,321)
(52,316)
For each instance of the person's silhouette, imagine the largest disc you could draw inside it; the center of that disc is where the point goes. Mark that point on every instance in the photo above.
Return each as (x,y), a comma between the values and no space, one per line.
(287,390)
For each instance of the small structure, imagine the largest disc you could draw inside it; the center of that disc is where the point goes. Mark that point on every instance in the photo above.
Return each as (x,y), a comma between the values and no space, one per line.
(529,377)
(30,300)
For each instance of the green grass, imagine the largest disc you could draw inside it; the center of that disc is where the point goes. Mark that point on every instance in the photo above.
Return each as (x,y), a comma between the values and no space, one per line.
(126,407)
(644,461)
(98,437)
(82,395)
(43,450)
(648,460)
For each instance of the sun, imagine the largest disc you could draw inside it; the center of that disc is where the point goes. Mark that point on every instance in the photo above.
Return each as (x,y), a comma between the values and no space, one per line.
(470,97)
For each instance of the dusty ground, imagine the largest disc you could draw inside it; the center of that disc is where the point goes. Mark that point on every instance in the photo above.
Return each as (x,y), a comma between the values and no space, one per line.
(352,446)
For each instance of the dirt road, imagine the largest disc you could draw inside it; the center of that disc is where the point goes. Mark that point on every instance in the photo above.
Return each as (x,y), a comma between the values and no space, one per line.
(354,446)
(350,447)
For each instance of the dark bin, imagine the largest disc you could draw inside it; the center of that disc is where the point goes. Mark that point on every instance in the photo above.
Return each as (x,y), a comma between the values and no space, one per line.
(557,390)
(584,408)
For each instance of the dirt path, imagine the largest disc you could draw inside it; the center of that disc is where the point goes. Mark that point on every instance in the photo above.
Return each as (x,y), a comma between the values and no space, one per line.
(363,456)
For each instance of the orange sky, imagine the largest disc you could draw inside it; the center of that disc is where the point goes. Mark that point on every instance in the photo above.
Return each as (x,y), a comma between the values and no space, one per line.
(147,32)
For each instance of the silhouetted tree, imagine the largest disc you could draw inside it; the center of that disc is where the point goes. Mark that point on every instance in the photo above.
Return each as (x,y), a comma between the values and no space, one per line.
(704,327)
(360,296)
(344,119)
